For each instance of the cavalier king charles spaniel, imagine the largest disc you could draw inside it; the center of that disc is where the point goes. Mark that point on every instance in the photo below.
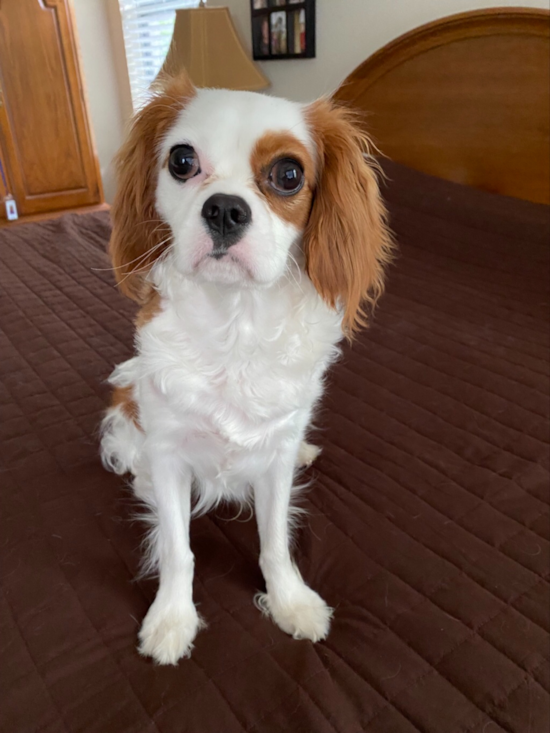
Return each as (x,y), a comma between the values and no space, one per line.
(251,232)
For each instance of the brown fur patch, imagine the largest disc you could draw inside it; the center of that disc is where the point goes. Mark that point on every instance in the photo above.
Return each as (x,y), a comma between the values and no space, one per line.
(346,242)
(150,308)
(123,397)
(271,147)
(139,235)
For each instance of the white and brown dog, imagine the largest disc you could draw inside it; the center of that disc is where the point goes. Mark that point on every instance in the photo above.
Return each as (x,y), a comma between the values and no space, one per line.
(251,231)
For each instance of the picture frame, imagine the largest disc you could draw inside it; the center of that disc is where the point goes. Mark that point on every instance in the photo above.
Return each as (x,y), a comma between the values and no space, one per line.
(283,29)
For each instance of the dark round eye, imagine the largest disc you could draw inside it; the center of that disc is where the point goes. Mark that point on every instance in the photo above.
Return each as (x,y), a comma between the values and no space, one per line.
(183,162)
(286,176)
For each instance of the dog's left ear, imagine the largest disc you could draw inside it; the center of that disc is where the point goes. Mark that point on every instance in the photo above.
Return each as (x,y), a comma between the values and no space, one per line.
(347,243)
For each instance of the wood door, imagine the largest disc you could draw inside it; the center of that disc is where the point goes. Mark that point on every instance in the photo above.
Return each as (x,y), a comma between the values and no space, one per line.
(44,132)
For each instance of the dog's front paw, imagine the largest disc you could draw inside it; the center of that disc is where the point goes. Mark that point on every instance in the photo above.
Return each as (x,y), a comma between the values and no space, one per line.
(304,616)
(167,632)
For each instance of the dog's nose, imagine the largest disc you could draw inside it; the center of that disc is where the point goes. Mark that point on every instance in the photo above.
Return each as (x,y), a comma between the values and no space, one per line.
(227,217)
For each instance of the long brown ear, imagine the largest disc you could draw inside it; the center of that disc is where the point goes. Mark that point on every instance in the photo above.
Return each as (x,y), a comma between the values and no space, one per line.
(139,236)
(347,243)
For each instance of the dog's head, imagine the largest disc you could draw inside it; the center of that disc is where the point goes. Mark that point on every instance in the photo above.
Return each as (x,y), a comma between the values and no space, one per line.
(236,185)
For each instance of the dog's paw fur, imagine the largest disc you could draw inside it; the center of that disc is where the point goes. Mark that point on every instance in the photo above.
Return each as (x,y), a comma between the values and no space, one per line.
(167,634)
(304,616)
(307,453)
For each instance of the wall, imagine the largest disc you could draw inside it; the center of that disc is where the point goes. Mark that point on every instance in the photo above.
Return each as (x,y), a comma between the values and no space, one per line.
(348,31)
(107,92)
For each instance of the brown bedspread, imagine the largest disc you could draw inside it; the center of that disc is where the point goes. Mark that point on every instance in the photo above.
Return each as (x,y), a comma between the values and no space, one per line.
(428,524)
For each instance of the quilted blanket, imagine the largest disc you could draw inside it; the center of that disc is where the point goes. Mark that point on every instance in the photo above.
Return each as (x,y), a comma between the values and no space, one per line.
(427,523)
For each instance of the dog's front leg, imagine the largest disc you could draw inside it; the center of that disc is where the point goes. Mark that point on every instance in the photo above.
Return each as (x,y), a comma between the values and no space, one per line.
(172,622)
(294,607)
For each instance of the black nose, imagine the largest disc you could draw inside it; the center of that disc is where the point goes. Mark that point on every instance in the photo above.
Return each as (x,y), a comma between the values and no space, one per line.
(226,217)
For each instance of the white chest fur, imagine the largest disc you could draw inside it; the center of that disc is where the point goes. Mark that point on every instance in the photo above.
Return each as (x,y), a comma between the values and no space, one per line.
(243,359)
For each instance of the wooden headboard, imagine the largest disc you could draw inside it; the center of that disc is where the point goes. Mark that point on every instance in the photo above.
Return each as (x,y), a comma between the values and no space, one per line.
(466,98)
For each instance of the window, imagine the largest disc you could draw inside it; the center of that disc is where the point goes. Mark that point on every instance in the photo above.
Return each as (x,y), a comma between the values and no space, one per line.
(147,26)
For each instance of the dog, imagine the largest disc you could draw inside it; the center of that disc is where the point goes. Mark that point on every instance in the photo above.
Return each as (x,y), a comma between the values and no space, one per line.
(252,233)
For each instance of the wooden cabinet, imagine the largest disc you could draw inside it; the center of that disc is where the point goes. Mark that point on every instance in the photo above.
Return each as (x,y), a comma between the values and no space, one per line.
(45,139)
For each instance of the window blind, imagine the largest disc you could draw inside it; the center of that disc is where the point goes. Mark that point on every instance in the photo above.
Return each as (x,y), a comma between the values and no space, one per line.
(147,26)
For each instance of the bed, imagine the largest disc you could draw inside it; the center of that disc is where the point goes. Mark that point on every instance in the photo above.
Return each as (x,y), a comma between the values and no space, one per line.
(428,522)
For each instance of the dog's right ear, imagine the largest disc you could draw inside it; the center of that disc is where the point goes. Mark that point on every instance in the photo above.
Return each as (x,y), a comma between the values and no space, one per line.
(347,242)
(139,236)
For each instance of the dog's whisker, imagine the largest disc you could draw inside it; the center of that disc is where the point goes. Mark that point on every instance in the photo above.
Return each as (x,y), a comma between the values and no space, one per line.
(138,259)
(145,268)
(290,271)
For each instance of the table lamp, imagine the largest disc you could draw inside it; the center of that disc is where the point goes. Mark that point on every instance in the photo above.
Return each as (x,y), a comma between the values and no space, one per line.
(205,44)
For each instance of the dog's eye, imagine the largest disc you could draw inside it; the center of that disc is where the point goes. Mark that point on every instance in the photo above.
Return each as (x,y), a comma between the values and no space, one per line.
(286,176)
(183,162)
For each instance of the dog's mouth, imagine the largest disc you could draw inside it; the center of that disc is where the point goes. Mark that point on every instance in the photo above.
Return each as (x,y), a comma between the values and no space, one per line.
(217,254)
(223,265)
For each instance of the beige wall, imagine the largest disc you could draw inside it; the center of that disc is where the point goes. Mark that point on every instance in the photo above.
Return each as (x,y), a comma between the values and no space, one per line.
(348,31)
(107,91)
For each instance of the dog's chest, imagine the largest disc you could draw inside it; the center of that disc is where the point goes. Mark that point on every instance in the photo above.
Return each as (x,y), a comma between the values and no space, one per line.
(241,378)
(242,373)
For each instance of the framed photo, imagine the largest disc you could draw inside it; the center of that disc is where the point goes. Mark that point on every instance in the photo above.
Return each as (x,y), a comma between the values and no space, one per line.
(261,35)
(278,33)
(283,29)
(298,31)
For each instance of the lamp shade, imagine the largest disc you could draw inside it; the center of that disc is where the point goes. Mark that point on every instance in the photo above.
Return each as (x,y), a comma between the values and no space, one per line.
(206,45)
